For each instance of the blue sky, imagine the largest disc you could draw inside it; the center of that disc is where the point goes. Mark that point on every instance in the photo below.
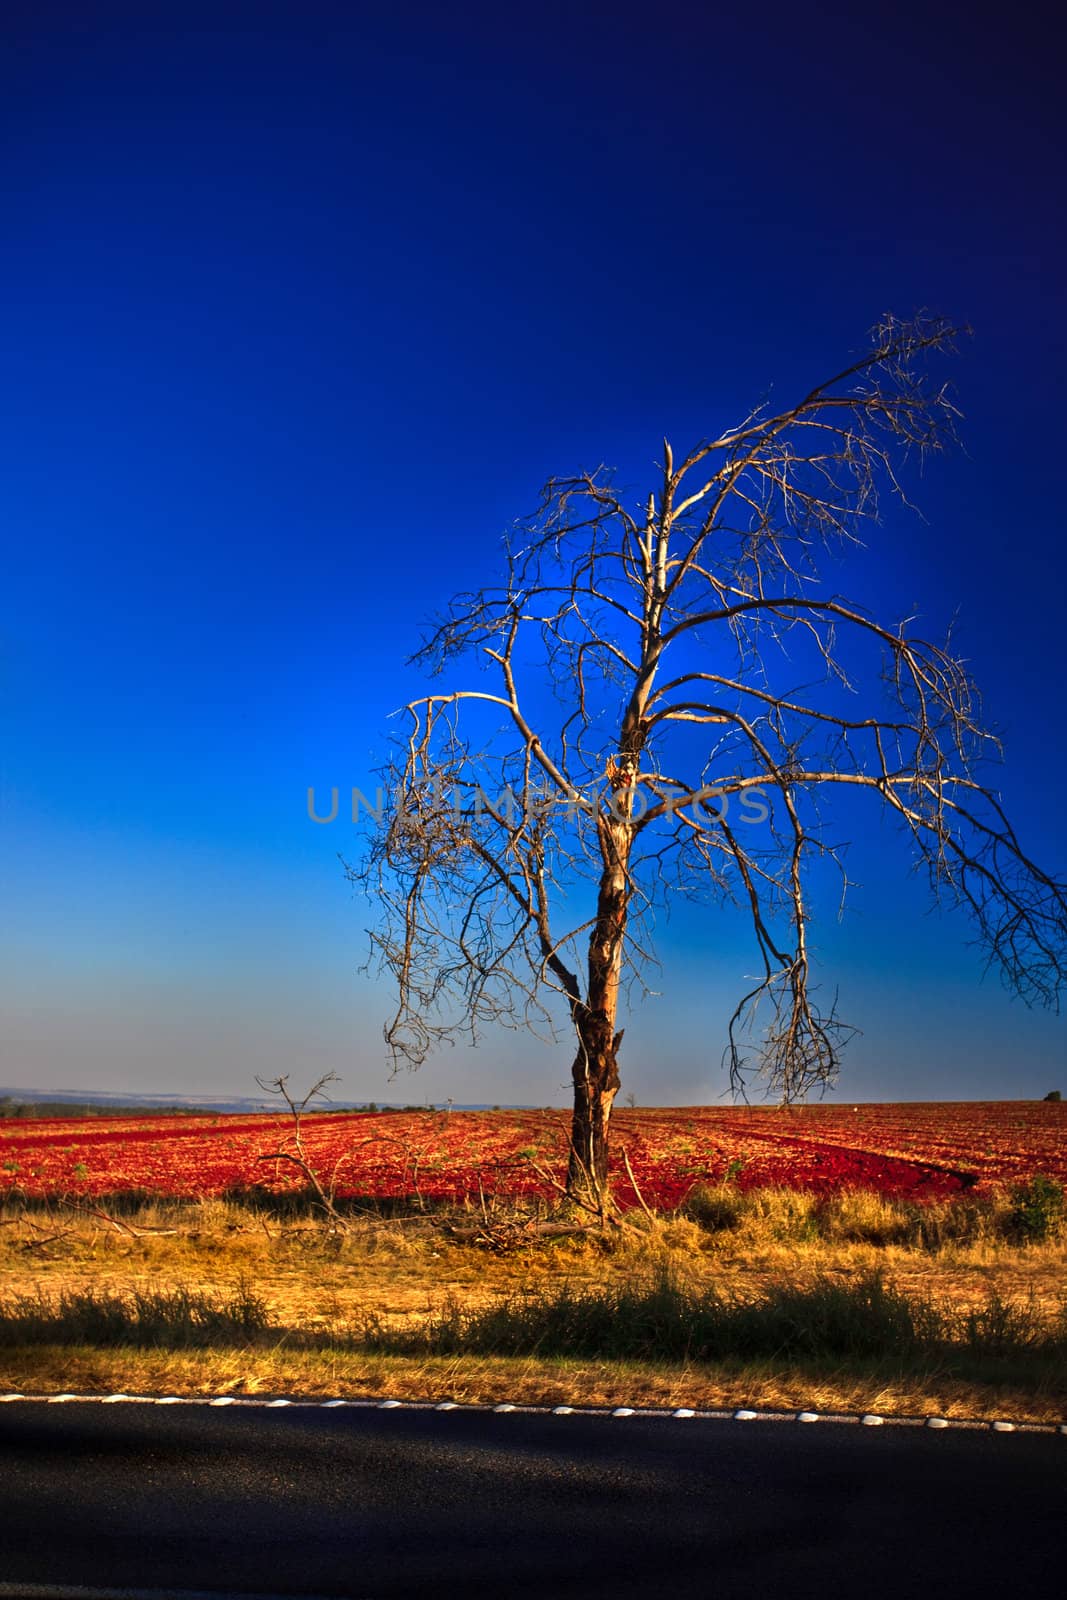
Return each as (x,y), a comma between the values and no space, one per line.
(302,306)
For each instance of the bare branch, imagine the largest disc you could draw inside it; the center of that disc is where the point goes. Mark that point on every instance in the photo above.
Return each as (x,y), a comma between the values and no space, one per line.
(698,656)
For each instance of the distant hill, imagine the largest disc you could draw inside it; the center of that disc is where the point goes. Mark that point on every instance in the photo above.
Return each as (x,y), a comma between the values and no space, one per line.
(96,1102)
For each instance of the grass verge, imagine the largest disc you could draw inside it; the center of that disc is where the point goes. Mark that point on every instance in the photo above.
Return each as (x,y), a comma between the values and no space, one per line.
(771,1298)
(830,1344)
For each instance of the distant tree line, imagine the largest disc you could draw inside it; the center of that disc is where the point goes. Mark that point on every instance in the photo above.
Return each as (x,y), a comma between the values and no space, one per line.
(10,1107)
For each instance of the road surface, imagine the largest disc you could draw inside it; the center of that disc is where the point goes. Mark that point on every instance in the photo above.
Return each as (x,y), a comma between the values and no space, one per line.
(378,1504)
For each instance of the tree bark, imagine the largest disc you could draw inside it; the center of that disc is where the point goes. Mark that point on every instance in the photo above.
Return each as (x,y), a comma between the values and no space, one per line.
(595,1070)
(596,1083)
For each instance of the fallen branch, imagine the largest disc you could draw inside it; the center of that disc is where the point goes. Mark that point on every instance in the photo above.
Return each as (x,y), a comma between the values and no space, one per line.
(40,1244)
(575,1200)
(83,1210)
(500,1234)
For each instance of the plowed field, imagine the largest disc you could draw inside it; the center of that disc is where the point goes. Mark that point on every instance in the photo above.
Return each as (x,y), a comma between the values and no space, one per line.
(923,1151)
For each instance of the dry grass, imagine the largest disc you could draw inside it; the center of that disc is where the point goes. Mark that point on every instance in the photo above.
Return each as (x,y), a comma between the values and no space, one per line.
(402,1271)
(487,1380)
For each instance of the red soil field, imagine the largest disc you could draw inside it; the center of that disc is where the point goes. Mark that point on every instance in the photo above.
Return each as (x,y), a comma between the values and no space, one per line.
(922,1151)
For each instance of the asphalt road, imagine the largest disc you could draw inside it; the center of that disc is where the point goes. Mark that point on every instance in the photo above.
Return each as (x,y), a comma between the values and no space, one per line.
(370,1503)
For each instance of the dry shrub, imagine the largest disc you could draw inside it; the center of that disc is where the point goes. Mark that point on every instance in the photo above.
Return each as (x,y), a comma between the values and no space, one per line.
(860,1216)
(717,1208)
(781,1215)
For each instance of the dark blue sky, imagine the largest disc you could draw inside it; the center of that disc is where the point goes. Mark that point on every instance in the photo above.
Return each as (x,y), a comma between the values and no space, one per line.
(302,304)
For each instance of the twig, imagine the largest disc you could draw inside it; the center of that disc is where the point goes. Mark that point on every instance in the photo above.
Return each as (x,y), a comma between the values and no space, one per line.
(576,1200)
(115,1222)
(592,1182)
(633,1181)
(336,1220)
(40,1244)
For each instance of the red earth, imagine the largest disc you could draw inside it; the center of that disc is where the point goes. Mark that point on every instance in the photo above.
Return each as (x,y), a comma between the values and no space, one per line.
(922,1151)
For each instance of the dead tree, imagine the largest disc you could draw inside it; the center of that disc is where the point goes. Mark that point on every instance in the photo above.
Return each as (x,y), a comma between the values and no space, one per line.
(642,656)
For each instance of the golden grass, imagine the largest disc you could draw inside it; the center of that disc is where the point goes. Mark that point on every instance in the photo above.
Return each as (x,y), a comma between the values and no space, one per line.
(488,1380)
(403,1269)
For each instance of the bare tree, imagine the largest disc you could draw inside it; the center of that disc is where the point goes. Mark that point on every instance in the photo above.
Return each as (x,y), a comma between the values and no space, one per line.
(323,1192)
(649,661)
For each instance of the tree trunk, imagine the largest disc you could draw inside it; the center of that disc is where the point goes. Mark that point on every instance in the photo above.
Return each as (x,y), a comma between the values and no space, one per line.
(595,1070)
(596,1082)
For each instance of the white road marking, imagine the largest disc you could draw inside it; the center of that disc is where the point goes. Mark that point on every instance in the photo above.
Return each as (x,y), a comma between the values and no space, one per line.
(868,1419)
